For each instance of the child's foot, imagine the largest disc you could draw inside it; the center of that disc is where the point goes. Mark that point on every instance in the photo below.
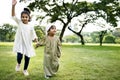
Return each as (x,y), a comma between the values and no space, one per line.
(25,72)
(47,76)
(17,68)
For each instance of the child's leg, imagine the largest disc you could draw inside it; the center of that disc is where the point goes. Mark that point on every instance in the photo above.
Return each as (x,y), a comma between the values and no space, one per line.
(19,57)
(27,59)
(26,66)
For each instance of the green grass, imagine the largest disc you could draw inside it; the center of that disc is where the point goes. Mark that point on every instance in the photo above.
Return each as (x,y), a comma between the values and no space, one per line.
(90,62)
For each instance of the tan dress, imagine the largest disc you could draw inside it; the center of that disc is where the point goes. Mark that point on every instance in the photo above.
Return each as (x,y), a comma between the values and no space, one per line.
(52,52)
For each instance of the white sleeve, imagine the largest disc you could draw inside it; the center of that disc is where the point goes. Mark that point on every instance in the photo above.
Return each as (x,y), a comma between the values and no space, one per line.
(34,36)
(15,19)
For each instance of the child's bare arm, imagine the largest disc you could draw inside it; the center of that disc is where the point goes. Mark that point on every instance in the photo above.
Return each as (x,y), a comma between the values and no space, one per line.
(14,2)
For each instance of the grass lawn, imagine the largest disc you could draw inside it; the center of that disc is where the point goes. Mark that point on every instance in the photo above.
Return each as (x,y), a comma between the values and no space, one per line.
(90,62)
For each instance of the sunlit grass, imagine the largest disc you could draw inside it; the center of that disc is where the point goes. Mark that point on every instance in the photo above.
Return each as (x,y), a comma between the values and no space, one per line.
(95,44)
(89,62)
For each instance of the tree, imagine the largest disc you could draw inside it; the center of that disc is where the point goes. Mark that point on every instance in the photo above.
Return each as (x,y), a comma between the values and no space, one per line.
(7,32)
(66,11)
(39,32)
(101,36)
(88,17)
(108,10)
(61,10)
(71,38)
(116,32)
(109,39)
(117,40)
(95,37)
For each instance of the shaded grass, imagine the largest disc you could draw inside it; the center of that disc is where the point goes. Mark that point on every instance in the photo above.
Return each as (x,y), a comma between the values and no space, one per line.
(90,62)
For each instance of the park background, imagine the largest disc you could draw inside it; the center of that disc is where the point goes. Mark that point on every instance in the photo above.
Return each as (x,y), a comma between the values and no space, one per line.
(90,41)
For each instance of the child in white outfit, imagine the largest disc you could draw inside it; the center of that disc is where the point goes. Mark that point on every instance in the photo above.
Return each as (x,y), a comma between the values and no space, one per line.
(23,39)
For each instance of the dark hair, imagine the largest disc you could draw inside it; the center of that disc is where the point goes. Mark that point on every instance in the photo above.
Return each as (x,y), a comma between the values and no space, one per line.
(26,11)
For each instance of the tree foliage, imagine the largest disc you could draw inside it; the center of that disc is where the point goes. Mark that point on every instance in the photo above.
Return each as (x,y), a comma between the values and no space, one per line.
(39,32)
(109,39)
(71,38)
(7,32)
(66,11)
(109,10)
(116,32)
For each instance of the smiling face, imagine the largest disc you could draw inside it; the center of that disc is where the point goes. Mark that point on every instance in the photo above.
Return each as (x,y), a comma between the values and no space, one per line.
(52,31)
(25,18)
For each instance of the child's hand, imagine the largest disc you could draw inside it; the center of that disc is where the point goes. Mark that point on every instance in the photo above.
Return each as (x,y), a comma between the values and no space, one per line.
(58,56)
(37,45)
(14,2)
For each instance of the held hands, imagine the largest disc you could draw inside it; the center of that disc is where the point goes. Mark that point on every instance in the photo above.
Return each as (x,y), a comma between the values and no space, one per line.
(14,2)
(37,45)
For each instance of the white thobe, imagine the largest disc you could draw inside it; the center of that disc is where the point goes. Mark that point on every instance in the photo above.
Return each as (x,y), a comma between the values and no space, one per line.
(23,38)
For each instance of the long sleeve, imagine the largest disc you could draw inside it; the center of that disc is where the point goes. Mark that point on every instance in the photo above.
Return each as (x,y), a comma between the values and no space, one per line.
(34,36)
(42,41)
(16,19)
(59,48)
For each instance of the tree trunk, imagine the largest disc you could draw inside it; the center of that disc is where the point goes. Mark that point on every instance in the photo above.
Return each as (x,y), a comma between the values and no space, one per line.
(102,34)
(82,39)
(79,34)
(101,38)
(62,32)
